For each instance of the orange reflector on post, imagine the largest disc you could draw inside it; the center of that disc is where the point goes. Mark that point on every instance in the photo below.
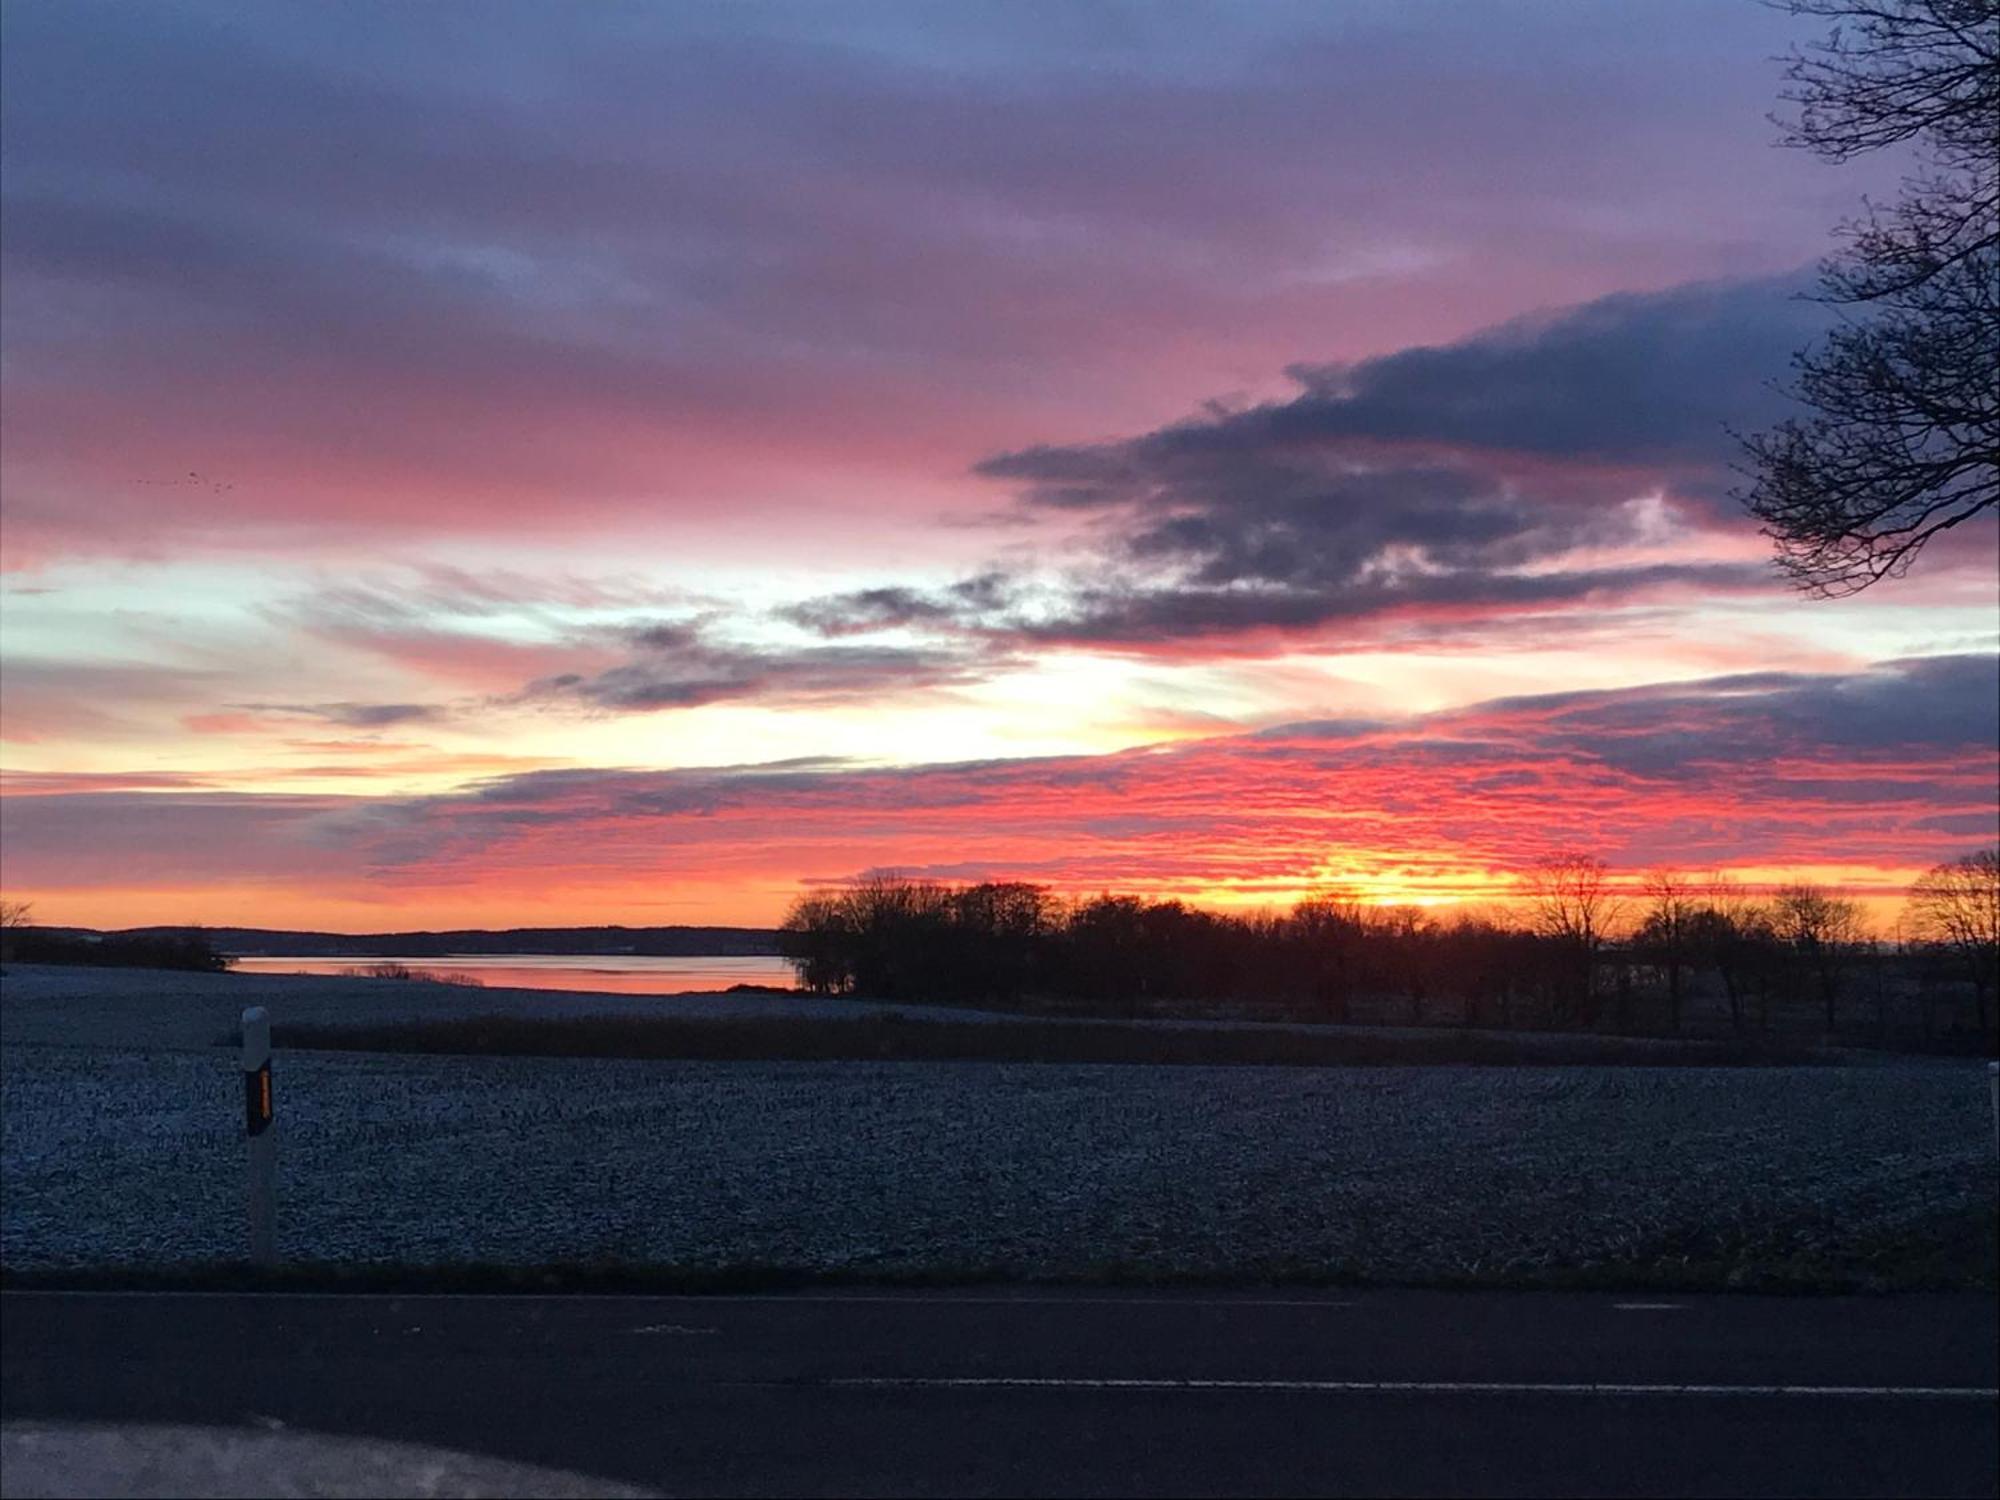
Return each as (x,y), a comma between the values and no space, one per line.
(257,1099)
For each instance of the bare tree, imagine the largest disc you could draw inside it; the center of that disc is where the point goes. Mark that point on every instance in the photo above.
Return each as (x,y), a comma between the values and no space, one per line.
(1821,930)
(1902,440)
(1403,934)
(817,940)
(1333,930)
(1957,905)
(1571,898)
(14,916)
(1571,902)
(1668,929)
(1734,932)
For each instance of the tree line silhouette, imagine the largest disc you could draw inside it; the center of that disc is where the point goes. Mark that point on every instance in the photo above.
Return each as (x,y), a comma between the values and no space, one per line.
(22,943)
(1672,954)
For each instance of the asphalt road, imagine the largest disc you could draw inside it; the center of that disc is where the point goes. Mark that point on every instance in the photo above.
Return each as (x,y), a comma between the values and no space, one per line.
(1071,1394)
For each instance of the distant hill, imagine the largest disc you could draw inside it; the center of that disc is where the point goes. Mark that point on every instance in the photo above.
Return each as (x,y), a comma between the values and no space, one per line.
(655,942)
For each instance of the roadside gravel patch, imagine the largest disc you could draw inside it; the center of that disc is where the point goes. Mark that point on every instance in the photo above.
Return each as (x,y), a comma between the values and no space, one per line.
(114,1461)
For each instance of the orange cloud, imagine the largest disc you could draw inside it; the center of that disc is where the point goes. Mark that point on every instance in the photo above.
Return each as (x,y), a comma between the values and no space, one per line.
(1873,774)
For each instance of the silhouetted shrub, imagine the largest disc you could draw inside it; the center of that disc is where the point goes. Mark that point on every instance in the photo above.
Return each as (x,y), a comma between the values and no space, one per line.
(403,973)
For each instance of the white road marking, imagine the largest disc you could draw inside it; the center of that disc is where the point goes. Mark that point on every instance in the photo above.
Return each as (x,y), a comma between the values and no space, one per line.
(1418,1387)
(676,1328)
(1648,1306)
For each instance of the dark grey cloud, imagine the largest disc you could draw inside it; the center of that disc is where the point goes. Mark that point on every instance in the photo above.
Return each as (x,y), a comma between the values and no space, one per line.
(1632,379)
(1140,615)
(964,602)
(1934,704)
(1462,477)
(678,664)
(1431,483)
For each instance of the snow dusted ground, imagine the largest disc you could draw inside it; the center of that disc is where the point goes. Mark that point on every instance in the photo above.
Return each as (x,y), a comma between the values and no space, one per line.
(130,1152)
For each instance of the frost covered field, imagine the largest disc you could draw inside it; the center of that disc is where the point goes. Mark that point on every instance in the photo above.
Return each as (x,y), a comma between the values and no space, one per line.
(127,1156)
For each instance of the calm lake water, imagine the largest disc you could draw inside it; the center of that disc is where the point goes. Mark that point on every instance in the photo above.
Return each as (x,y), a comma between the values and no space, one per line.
(604,974)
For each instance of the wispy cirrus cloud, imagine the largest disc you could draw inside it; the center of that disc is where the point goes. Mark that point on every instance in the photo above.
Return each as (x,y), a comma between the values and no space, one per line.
(50,697)
(424,592)
(351,715)
(482,632)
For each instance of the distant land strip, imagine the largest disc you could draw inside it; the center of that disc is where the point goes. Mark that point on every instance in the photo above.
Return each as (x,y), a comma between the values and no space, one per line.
(875,1038)
(646,942)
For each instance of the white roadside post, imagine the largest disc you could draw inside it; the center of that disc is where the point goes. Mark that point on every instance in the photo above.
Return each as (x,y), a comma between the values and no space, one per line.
(257,1120)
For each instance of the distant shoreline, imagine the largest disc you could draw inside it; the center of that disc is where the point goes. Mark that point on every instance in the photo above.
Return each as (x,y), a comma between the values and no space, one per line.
(548,942)
(563,973)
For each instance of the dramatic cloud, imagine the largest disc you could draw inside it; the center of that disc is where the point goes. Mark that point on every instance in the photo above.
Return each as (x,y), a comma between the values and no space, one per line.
(1568,460)
(1630,379)
(678,331)
(1479,479)
(1873,774)
(279,274)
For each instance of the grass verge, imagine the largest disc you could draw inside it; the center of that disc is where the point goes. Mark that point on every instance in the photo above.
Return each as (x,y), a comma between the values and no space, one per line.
(878,1038)
(1956,1251)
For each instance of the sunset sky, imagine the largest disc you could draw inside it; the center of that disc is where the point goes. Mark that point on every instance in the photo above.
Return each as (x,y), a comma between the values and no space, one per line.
(488,465)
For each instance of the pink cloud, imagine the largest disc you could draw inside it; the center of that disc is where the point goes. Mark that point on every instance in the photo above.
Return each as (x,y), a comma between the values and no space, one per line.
(229,723)
(799,276)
